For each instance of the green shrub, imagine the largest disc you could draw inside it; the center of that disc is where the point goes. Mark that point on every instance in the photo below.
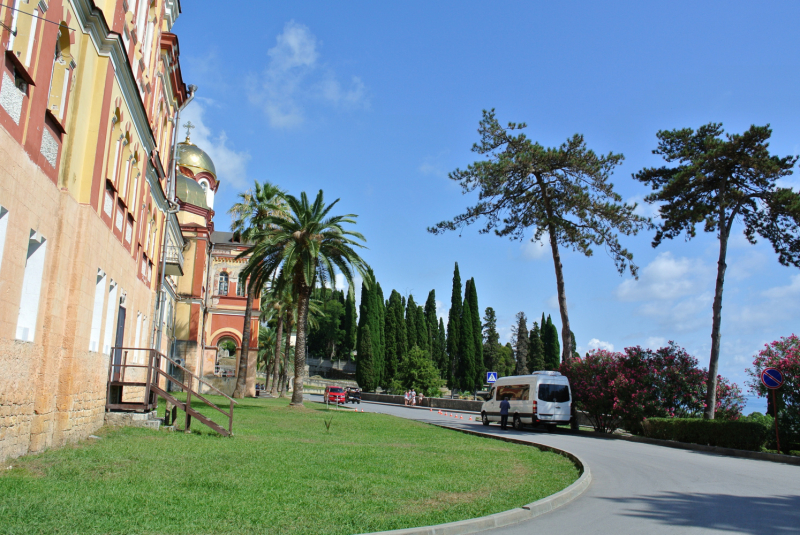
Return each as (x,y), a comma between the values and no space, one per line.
(740,434)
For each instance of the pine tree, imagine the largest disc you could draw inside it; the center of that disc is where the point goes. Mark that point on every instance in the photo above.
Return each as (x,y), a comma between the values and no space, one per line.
(520,336)
(465,371)
(453,326)
(535,349)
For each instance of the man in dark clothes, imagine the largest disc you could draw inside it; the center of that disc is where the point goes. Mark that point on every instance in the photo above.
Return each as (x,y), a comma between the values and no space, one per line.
(504,406)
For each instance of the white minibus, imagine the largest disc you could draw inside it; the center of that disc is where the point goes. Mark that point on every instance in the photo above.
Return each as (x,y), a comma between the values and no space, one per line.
(542,398)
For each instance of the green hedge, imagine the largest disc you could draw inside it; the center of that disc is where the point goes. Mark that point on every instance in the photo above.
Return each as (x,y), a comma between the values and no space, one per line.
(741,435)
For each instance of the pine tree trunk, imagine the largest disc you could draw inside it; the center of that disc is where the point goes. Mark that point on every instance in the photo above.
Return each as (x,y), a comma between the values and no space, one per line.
(716,323)
(277,357)
(246,371)
(285,369)
(300,346)
(566,352)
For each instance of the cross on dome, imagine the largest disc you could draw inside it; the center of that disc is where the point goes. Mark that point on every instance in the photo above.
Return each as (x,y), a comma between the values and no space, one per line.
(188,126)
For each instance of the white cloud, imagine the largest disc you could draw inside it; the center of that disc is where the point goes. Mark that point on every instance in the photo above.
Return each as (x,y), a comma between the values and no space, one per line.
(666,278)
(231,165)
(536,249)
(552,302)
(596,343)
(656,342)
(645,209)
(442,312)
(293,77)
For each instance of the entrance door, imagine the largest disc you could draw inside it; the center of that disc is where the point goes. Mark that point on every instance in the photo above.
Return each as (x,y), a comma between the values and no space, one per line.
(118,342)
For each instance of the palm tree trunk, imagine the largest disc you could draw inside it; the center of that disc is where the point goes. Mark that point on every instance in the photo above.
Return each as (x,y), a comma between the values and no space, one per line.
(285,369)
(246,372)
(276,358)
(300,346)
(716,323)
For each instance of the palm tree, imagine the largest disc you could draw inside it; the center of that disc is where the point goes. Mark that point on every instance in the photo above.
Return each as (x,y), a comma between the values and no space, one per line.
(307,246)
(262,201)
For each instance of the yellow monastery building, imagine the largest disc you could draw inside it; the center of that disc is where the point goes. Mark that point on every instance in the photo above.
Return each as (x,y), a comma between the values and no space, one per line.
(104,243)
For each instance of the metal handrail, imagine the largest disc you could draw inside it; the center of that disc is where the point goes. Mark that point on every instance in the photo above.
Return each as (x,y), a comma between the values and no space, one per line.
(154,365)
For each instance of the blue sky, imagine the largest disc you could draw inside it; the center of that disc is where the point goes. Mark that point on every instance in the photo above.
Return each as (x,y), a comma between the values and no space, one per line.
(375,103)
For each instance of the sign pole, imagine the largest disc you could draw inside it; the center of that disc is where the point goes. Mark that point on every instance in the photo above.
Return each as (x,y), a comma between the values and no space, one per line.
(775,406)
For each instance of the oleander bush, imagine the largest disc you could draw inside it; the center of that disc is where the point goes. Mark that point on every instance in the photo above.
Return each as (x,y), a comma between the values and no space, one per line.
(621,389)
(739,434)
(784,355)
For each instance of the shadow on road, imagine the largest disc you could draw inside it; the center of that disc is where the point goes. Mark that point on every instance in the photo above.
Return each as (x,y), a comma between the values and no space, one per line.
(723,512)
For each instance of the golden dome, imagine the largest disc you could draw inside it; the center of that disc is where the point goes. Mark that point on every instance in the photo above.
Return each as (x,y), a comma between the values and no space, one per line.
(195,158)
(190,191)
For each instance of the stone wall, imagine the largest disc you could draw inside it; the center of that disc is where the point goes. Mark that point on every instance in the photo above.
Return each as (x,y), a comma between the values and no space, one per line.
(53,389)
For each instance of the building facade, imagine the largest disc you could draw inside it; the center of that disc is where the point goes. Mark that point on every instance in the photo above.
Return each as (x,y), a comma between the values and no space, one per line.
(102,243)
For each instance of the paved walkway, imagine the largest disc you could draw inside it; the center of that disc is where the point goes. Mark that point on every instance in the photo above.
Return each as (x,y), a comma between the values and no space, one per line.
(645,489)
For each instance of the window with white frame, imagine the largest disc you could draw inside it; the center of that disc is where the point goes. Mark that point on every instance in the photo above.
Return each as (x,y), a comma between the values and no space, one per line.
(111,310)
(31,287)
(97,310)
(223,283)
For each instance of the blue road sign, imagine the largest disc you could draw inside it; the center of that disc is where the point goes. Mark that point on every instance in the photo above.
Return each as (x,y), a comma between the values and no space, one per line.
(491,377)
(771,378)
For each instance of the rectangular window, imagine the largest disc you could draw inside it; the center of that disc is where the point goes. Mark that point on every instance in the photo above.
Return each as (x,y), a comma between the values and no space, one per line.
(513,392)
(3,228)
(116,161)
(108,201)
(554,393)
(97,310)
(120,219)
(31,287)
(110,315)
(129,229)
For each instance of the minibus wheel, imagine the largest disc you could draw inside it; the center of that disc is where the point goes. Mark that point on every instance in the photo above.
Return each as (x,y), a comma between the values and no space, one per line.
(517,422)
(484,418)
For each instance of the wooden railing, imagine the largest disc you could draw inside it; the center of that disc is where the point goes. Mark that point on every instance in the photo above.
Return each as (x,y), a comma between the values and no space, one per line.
(147,381)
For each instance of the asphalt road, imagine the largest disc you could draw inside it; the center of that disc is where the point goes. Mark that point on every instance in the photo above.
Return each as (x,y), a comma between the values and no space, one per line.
(644,489)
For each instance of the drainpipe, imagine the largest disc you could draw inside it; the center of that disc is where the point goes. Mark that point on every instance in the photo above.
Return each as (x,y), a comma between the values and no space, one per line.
(173,208)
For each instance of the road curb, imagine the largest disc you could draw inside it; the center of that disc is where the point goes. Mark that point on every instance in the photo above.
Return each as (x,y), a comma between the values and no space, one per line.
(513,516)
(729,452)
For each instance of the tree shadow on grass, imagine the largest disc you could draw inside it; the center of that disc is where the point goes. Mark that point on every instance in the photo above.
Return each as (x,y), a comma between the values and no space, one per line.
(741,514)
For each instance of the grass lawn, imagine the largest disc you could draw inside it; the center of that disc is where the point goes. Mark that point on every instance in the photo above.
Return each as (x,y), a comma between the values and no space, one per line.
(282,473)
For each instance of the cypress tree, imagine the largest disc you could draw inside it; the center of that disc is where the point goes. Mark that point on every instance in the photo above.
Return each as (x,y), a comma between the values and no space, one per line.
(520,331)
(423,340)
(441,343)
(550,345)
(431,322)
(394,333)
(365,372)
(453,325)
(575,353)
(465,371)
(411,322)
(491,344)
(350,323)
(380,327)
(365,360)
(477,334)
(535,349)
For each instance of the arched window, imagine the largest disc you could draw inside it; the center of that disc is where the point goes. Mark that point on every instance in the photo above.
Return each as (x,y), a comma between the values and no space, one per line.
(240,287)
(223,283)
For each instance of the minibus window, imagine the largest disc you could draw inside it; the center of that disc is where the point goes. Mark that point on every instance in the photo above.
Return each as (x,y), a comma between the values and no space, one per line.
(554,393)
(514,392)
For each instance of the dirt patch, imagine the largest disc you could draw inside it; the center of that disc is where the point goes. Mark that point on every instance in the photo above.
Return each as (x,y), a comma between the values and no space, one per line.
(442,501)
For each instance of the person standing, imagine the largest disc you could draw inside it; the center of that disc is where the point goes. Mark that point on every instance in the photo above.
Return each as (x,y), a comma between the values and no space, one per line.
(407,396)
(413,397)
(504,406)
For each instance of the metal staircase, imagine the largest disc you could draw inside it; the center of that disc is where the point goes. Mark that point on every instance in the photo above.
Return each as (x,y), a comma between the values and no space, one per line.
(137,385)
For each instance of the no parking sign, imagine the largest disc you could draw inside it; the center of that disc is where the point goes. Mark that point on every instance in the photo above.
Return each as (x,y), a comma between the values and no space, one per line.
(773,379)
